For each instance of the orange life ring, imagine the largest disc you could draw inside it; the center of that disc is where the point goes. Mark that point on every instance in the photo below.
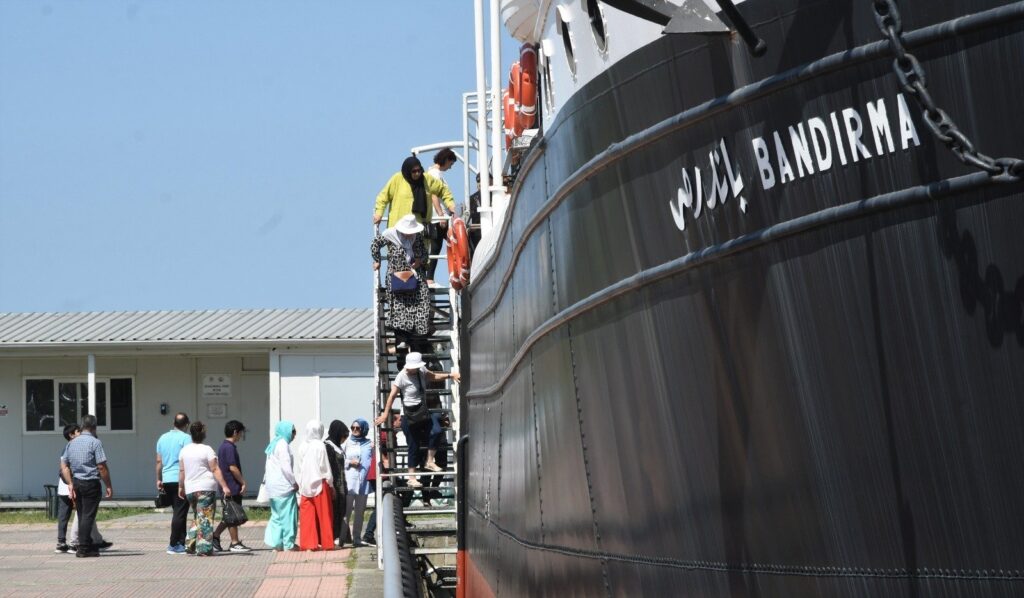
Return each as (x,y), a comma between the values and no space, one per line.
(526,101)
(458,254)
(511,124)
(510,116)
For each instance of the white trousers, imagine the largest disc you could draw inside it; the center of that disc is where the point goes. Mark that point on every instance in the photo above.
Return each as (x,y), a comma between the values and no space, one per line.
(73,531)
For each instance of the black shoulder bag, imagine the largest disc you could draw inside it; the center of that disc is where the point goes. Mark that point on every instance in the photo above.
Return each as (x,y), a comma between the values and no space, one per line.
(421,412)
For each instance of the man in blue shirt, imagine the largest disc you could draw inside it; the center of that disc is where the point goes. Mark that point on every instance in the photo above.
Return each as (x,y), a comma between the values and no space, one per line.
(167,449)
(82,466)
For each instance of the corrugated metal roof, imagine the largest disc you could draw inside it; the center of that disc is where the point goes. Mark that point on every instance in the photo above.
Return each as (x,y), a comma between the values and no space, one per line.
(206,326)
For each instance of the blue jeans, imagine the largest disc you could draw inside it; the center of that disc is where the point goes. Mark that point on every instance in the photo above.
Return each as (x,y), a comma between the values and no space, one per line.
(436,431)
(415,434)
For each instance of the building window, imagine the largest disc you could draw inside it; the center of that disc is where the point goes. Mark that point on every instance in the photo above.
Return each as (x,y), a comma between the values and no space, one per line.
(52,403)
(39,410)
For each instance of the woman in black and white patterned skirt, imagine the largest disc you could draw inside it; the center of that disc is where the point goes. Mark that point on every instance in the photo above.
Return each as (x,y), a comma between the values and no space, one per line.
(410,310)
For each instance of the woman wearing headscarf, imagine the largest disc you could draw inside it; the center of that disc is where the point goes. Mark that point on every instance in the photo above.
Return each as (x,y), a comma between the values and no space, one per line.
(410,310)
(408,192)
(316,530)
(281,487)
(337,434)
(358,455)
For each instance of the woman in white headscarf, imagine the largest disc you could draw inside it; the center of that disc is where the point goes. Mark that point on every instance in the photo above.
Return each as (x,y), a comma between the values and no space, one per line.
(316,528)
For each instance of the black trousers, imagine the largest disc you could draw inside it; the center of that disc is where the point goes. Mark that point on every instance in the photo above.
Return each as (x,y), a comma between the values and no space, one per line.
(87,503)
(339,512)
(179,520)
(63,516)
(371,526)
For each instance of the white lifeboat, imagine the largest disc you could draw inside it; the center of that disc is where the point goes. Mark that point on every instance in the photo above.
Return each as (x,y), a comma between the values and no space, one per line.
(522,19)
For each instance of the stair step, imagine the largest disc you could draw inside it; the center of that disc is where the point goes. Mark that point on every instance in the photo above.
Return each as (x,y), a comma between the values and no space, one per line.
(406,474)
(439,550)
(431,531)
(443,491)
(444,353)
(426,339)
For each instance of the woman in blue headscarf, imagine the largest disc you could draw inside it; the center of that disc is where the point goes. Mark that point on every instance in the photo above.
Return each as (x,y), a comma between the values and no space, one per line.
(281,488)
(358,450)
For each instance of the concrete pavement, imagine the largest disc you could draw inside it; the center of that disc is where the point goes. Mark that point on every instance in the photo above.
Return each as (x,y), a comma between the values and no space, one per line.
(138,566)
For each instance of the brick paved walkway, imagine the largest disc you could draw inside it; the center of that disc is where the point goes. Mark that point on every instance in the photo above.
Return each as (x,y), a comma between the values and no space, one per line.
(138,566)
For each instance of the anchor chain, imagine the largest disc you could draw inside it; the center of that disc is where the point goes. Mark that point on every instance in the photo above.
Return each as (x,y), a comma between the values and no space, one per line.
(912,79)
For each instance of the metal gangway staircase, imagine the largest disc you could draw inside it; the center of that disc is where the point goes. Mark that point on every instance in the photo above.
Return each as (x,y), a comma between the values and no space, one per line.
(418,542)
(417,525)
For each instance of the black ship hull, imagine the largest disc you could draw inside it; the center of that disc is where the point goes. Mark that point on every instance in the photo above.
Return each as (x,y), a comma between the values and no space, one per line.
(751,330)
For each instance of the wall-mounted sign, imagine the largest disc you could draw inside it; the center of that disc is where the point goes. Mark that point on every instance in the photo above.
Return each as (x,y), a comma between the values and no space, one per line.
(217,410)
(3,410)
(216,386)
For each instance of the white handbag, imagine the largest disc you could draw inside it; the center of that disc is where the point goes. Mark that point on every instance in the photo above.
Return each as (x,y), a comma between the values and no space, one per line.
(261,497)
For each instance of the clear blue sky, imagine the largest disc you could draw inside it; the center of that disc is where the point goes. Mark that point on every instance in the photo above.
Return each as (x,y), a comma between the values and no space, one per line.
(202,155)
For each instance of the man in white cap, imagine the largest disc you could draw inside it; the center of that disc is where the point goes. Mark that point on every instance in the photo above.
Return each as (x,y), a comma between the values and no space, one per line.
(417,420)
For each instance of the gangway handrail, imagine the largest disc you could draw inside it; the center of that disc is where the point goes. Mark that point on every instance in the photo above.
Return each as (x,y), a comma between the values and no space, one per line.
(400,576)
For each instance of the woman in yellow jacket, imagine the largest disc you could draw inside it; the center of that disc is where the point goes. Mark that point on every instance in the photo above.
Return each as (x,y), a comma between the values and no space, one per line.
(408,192)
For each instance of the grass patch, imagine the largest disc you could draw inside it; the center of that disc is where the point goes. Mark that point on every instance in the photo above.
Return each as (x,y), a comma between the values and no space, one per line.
(258,513)
(39,516)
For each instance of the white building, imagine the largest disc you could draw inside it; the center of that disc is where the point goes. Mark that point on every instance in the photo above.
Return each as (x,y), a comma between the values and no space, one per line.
(256,366)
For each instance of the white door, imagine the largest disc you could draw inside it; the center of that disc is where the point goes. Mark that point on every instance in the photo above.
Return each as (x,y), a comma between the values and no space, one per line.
(345,398)
(254,391)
